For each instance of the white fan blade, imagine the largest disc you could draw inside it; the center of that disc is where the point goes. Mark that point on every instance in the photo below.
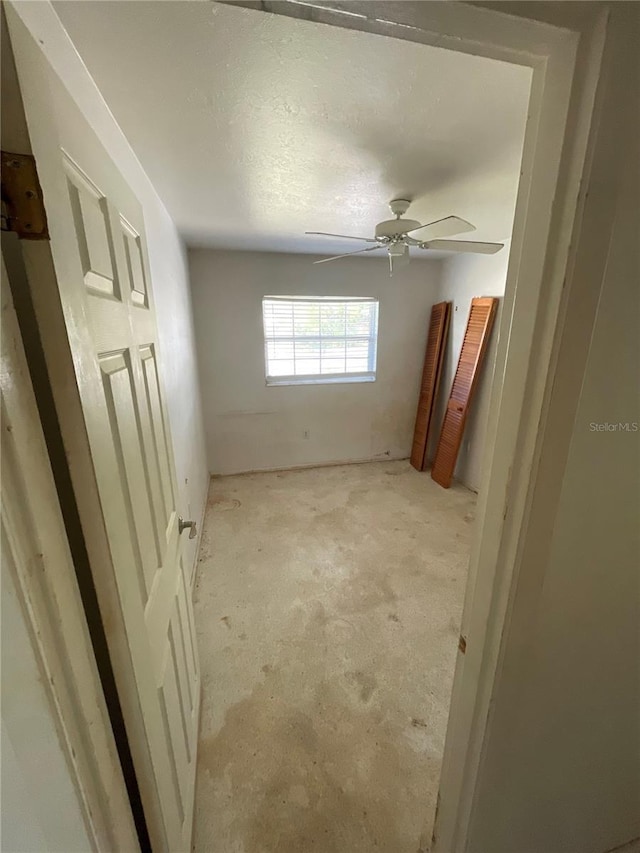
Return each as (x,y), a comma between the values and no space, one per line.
(344,236)
(347,254)
(463,246)
(446,227)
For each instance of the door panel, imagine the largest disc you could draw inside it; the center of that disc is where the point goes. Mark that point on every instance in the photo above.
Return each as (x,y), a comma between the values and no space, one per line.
(102,275)
(158,431)
(135,265)
(93,232)
(474,345)
(119,397)
(431,373)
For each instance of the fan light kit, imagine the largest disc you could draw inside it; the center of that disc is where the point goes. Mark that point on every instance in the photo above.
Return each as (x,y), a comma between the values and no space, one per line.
(395,236)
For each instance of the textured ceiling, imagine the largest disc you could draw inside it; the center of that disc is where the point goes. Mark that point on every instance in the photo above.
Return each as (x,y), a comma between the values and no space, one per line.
(255,127)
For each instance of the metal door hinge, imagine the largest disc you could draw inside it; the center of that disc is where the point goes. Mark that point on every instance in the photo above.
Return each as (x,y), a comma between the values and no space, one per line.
(22,204)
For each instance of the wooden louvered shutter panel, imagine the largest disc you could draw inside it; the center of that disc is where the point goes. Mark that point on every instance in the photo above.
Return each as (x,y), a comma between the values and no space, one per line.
(433,359)
(474,346)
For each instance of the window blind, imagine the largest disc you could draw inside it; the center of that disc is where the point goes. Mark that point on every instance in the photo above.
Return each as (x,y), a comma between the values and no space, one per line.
(319,339)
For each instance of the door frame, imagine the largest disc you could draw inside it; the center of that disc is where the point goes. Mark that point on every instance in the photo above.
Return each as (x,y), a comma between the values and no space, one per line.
(49,598)
(563,44)
(564,48)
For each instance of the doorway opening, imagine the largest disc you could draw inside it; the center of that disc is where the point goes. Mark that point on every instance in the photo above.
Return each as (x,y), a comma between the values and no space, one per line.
(516,349)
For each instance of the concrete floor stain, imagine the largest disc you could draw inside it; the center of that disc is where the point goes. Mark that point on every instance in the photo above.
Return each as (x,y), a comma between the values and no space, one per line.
(323,730)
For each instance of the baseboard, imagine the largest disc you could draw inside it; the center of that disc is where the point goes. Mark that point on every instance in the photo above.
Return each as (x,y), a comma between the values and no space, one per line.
(627,847)
(194,567)
(333,464)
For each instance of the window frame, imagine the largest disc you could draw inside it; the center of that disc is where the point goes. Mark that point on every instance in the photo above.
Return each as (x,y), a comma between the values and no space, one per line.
(324,378)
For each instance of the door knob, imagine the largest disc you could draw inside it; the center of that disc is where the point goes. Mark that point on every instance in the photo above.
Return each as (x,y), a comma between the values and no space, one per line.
(182,525)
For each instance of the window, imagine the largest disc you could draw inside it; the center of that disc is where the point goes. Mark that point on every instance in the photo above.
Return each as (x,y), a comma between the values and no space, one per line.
(311,340)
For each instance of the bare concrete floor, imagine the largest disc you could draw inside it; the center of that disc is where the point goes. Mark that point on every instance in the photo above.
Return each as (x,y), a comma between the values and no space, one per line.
(327,606)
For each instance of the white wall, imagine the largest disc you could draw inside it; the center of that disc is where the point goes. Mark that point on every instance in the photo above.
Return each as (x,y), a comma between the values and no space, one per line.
(250,426)
(463,277)
(41,809)
(169,270)
(561,759)
(576,726)
(170,276)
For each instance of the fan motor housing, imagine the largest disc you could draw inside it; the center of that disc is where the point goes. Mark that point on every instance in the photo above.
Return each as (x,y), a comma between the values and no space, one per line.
(395,227)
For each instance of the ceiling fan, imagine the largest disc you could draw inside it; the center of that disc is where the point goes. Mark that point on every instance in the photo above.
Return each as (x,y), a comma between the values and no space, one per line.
(397,235)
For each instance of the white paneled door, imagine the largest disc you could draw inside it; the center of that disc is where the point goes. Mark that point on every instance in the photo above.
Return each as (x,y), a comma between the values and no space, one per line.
(125,483)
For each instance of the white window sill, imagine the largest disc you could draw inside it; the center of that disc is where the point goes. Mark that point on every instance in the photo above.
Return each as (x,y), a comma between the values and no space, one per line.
(318,380)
